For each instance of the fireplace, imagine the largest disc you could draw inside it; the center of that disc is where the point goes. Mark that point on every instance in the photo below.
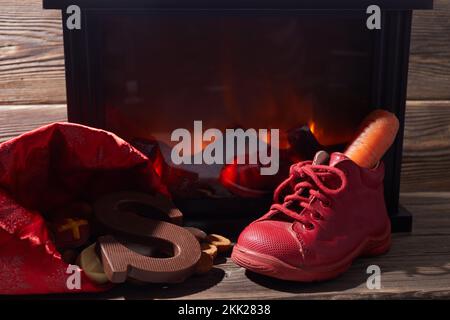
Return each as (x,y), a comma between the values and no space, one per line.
(310,69)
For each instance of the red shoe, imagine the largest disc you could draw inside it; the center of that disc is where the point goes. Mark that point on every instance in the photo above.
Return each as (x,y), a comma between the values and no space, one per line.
(324,216)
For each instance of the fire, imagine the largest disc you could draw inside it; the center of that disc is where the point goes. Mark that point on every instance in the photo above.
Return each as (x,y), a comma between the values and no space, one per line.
(312,128)
(330,136)
(319,134)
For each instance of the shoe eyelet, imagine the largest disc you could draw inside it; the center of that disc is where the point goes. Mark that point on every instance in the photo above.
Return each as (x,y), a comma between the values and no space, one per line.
(308,226)
(317,216)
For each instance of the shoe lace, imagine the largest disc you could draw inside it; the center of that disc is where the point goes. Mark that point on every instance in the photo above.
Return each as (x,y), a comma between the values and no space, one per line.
(309,182)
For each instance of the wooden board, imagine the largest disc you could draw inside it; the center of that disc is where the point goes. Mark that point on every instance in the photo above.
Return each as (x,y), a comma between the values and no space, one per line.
(426,151)
(31,54)
(15,120)
(418,266)
(32,63)
(429,65)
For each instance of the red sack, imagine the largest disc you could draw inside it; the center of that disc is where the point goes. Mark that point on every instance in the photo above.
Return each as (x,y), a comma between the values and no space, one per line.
(45,169)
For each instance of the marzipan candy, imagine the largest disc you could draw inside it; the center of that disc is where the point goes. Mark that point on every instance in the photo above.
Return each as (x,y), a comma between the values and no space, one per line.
(90,262)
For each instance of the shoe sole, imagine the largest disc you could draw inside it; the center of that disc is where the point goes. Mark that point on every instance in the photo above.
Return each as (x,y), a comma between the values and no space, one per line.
(275,268)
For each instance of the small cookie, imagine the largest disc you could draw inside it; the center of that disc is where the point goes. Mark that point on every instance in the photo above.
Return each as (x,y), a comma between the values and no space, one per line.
(92,266)
(209,248)
(223,244)
(205,264)
(199,234)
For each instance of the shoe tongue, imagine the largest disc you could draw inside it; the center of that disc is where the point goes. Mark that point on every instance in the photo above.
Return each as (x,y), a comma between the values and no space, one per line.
(337,157)
(321,158)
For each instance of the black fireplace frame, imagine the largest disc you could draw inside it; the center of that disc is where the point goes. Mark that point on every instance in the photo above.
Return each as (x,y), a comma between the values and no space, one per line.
(390,63)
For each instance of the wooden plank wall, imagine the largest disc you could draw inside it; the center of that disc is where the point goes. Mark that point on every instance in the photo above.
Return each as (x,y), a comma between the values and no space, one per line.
(32,75)
(31,54)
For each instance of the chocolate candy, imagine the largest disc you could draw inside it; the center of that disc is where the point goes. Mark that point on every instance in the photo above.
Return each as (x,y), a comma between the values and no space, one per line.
(145,250)
(92,266)
(123,215)
(223,244)
(71,232)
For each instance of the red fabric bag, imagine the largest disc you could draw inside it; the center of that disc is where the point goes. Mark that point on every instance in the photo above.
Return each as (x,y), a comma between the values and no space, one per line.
(45,169)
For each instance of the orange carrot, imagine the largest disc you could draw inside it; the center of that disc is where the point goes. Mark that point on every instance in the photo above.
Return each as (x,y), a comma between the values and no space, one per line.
(375,136)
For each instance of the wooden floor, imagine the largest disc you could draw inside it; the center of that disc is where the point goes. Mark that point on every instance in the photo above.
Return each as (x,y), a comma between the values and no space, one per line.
(418,266)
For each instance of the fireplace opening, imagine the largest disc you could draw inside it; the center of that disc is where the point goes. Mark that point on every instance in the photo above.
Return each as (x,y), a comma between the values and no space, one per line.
(289,72)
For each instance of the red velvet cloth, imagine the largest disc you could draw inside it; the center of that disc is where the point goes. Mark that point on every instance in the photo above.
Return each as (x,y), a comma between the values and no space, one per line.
(45,169)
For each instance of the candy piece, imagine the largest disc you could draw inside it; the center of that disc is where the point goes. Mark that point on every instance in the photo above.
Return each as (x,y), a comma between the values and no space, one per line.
(71,233)
(121,263)
(119,213)
(376,135)
(209,249)
(92,266)
(74,226)
(199,234)
(223,244)
(205,264)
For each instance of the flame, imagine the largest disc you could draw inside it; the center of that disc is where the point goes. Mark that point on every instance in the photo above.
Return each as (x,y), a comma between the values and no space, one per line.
(319,134)
(312,127)
(328,136)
